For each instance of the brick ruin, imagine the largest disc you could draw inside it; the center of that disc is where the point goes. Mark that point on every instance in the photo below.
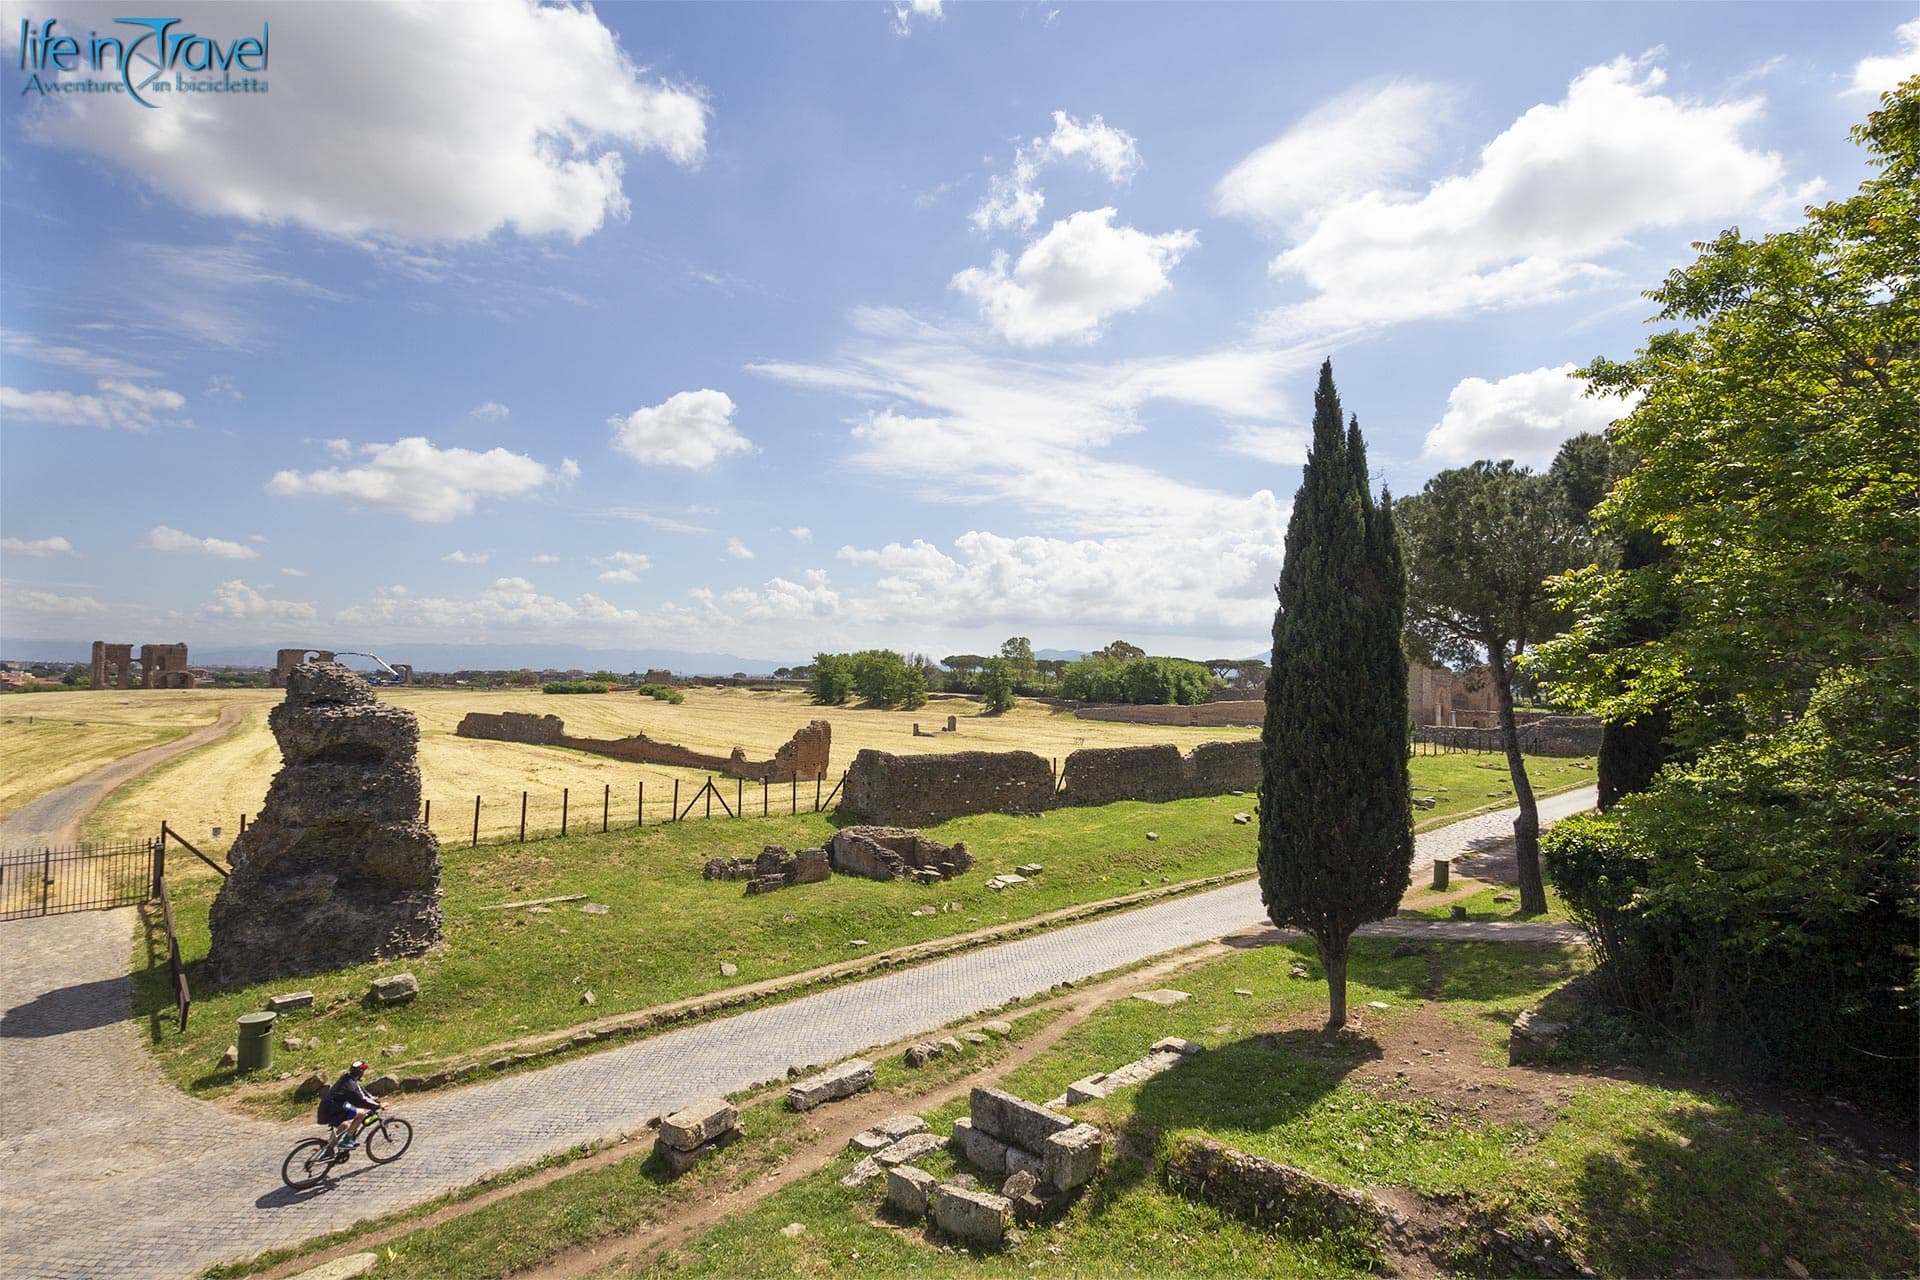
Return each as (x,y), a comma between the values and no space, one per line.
(918,791)
(287,659)
(922,790)
(803,756)
(1560,736)
(162,666)
(873,853)
(1437,696)
(337,869)
(1103,775)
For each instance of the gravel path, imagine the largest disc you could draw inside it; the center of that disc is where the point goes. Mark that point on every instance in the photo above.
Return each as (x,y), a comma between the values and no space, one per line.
(107,1171)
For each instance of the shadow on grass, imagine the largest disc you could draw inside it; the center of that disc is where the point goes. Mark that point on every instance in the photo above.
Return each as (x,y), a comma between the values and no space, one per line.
(1246,1086)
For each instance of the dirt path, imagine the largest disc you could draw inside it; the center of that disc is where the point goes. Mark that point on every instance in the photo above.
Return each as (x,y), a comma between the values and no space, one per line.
(55,818)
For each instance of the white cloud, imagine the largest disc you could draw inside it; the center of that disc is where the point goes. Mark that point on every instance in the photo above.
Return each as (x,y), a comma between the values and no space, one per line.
(467,557)
(1881,72)
(1281,446)
(163,538)
(26,346)
(738,549)
(961,426)
(294,573)
(519,120)
(422,482)
(905,11)
(220,387)
(49,603)
(1013,199)
(693,429)
(1350,145)
(491,411)
(544,559)
(624,566)
(234,600)
(510,607)
(780,599)
(119,404)
(1070,281)
(1561,188)
(1524,416)
(37,547)
(801,534)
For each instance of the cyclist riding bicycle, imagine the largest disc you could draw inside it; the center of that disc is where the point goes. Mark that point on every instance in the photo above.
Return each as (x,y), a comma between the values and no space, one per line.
(348,1104)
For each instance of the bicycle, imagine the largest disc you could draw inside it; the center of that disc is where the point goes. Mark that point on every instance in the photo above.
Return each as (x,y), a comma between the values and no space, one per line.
(384,1138)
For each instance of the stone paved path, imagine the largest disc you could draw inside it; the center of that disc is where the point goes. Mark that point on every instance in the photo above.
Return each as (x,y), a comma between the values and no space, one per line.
(105,1171)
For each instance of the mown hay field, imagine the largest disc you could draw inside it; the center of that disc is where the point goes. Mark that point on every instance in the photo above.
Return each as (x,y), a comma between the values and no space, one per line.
(48,740)
(213,787)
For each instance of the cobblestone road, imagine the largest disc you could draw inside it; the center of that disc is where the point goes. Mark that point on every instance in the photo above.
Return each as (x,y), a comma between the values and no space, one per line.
(105,1171)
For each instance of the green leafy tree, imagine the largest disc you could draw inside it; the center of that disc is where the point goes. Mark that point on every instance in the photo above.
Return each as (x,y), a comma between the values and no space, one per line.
(1166,682)
(1019,651)
(1336,833)
(1120,651)
(1481,542)
(996,685)
(831,682)
(1777,429)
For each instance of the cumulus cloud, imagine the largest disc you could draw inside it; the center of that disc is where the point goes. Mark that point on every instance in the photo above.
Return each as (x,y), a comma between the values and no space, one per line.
(294,573)
(163,538)
(414,478)
(623,566)
(509,607)
(47,602)
(1014,199)
(693,429)
(1072,280)
(234,601)
(547,558)
(467,557)
(420,150)
(905,11)
(1524,416)
(115,402)
(1281,446)
(1560,189)
(1360,141)
(738,549)
(1881,72)
(782,599)
(801,534)
(37,547)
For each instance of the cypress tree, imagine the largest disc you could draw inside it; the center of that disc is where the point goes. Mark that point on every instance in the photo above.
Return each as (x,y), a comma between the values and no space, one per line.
(1336,828)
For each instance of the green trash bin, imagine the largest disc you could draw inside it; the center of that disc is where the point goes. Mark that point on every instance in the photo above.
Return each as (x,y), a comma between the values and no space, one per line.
(256,1042)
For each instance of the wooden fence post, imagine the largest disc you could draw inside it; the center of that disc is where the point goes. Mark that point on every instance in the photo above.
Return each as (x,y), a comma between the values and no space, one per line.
(563,811)
(676,798)
(739,791)
(160,860)
(817,783)
(476,823)
(523,817)
(793,795)
(426,819)
(640,806)
(763,797)
(709,793)
(606,808)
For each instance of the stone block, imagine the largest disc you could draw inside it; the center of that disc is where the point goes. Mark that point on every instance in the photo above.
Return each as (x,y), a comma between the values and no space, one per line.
(897,1127)
(973,1217)
(312,1087)
(702,1122)
(679,1161)
(909,1148)
(951,1044)
(975,1037)
(1018,1184)
(863,1172)
(292,1000)
(1029,869)
(919,1055)
(1086,1089)
(350,1267)
(396,988)
(1072,1157)
(868,1141)
(1014,1120)
(381,1086)
(981,1150)
(1019,1161)
(998,1027)
(1162,996)
(810,866)
(842,1081)
(908,1189)
(1174,1044)
(1533,1038)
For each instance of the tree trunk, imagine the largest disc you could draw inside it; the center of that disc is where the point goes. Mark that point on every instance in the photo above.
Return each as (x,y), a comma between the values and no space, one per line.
(1526,827)
(1333,958)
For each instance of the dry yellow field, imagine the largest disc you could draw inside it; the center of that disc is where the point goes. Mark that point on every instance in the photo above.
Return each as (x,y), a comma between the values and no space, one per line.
(214,786)
(48,740)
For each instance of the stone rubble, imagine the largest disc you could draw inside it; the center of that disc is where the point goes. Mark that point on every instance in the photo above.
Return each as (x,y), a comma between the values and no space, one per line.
(694,1132)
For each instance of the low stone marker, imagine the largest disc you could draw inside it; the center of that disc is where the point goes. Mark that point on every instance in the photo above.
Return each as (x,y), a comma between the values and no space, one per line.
(695,1131)
(842,1081)
(396,988)
(1071,1157)
(886,1133)
(1165,1054)
(976,1217)
(1162,996)
(1533,1038)
(1015,1121)
(908,1190)
(909,1148)
(292,1000)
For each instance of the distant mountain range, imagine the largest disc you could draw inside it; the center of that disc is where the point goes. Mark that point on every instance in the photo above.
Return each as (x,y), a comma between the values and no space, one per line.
(438,657)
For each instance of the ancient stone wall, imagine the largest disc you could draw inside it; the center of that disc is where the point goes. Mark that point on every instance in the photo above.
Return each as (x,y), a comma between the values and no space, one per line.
(337,870)
(1437,696)
(804,756)
(1206,714)
(285,660)
(1560,736)
(112,665)
(916,791)
(1103,775)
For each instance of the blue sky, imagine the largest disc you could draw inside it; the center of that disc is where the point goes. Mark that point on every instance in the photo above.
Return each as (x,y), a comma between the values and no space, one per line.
(772,329)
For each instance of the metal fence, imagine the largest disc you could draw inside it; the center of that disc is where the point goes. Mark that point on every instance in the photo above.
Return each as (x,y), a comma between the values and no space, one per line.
(47,881)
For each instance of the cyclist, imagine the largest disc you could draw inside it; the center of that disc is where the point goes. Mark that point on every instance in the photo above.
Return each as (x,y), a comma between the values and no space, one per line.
(348,1104)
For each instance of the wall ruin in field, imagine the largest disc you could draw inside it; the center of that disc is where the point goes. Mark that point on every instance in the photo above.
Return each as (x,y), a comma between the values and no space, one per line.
(802,756)
(1205,714)
(1103,775)
(162,666)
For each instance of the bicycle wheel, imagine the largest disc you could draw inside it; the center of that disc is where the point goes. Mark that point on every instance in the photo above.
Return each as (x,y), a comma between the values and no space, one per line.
(387,1140)
(306,1164)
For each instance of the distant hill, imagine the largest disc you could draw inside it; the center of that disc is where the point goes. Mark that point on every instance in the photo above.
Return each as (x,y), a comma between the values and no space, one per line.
(433,657)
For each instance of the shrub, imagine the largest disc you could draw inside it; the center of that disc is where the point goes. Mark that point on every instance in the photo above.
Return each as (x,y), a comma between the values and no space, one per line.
(662,693)
(574,686)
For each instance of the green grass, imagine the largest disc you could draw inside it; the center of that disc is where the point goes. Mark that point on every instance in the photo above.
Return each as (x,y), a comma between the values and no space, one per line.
(509,975)
(1425,904)
(1639,1179)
